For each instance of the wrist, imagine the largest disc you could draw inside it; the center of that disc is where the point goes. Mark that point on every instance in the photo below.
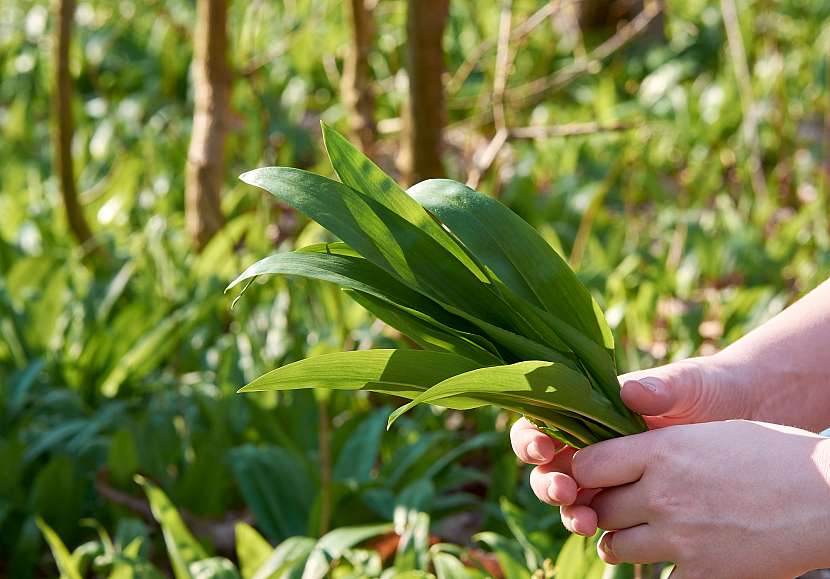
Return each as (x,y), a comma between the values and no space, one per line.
(774,385)
(769,389)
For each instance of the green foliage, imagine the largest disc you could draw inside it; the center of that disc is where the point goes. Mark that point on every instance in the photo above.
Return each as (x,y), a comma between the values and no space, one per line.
(517,289)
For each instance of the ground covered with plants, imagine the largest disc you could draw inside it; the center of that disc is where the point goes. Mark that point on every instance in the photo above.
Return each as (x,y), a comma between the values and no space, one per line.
(677,158)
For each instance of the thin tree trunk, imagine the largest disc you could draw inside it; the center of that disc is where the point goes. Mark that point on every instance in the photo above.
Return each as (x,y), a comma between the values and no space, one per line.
(64,126)
(425,115)
(357,81)
(211,96)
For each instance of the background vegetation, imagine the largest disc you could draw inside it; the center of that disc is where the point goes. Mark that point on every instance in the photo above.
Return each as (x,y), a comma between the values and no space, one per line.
(675,152)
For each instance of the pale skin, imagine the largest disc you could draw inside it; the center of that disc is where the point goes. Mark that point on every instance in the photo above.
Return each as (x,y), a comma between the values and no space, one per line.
(716,486)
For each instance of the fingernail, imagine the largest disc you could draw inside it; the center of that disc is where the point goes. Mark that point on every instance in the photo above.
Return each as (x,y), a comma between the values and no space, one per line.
(652,385)
(605,544)
(533,451)
(552,493)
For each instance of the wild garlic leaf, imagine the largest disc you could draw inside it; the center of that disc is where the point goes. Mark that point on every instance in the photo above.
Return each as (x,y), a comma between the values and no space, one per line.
(534,383)
(404,373)
(384,238)
(515,252)
(361,174)
(428,332)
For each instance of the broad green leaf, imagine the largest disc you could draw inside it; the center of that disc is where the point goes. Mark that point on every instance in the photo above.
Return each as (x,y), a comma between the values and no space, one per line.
(512,517)
(450,567)
(531,383)
(146,351)
(213,568)
(276,488)
(410,454)
(66,564)
(360,451)
(481,440)
(252,550)
(182,548)
(516,253)
(287,560)
(129,565)
(384,238)
(359,172)
(332,544)
(578,559)
(405,373)
(594,357)
(362,276)
(427,332)
(348,271)
(508,553)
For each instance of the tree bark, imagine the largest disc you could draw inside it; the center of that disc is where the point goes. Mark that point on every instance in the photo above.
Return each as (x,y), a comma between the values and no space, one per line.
(64,125)
(211,100)
(357,81)
(426,113)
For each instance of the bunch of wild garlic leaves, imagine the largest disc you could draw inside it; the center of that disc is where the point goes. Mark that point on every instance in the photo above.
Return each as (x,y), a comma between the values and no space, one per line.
(501,318)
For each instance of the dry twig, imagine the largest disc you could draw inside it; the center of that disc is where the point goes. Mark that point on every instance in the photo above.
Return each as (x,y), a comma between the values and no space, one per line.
(737,53)
(533,90)
(519,33)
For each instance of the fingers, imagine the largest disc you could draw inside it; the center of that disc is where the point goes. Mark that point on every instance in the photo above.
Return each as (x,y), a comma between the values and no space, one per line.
(673,390)
(552,486)
(620,507)
(614,462)
(579,519)
(640,544)
(530,445)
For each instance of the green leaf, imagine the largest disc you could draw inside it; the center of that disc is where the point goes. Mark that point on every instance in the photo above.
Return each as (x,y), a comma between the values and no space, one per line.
(427,332)
(348,271)
(287,560)
(384,238)
(182,548)
(448,566)
(66,565)
(516,253)
(332,544)
(252,550)
(546,385)
(360,451)
(359,172)
(508,553)
(578,559)
(276,488)
(405,373)
(213,568)
(512,517)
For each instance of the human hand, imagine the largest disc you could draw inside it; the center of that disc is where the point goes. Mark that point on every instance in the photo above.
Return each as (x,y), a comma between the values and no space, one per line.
(724,499)
(695,390)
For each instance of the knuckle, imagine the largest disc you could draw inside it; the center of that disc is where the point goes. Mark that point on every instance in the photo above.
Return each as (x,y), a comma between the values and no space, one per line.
(581,468)
(661,500)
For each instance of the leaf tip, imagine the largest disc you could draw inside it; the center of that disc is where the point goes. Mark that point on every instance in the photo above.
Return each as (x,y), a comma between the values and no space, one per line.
(248,177)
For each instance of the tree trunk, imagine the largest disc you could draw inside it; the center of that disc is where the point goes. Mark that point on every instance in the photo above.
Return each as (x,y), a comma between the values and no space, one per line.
(425,115)
(356,82)
(211,96)
(64,126)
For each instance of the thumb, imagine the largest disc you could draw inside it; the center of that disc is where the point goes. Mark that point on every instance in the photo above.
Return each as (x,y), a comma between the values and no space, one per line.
(671,391)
